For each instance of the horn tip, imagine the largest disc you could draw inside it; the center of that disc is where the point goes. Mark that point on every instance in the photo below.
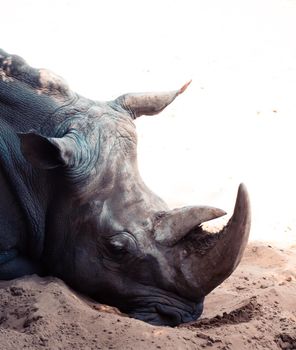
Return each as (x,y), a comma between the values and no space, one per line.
(243,192)
(184,87)
(243,205)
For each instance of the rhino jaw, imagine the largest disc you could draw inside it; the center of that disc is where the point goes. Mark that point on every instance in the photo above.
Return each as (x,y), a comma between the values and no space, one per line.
(204,260)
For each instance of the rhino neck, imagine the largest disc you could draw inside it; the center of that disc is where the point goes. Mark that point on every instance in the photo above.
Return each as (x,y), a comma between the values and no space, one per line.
(29,97)
(30,188)
(19,102)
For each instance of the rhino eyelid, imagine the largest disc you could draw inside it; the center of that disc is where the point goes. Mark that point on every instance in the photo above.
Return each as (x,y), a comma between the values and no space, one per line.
(126,237)
(120,234)
(123,232)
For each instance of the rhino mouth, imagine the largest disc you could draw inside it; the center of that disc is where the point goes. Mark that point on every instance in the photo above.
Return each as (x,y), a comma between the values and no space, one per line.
(164,309)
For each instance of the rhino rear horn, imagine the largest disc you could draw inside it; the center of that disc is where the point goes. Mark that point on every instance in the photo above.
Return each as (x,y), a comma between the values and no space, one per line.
(173,225)
(148,103)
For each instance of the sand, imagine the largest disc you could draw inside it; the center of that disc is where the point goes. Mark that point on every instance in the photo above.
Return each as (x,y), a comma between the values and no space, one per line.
(254,309)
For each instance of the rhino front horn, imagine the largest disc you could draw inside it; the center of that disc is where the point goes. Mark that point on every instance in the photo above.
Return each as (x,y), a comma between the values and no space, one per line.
(223,251)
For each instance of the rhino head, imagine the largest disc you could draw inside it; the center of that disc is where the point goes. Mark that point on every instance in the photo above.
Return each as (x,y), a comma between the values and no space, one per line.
(106,233)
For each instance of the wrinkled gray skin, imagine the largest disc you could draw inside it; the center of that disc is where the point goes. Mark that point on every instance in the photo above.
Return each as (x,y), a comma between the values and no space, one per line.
(73,203)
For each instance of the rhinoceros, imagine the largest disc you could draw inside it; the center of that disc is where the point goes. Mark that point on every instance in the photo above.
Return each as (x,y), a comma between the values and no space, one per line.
(73,204)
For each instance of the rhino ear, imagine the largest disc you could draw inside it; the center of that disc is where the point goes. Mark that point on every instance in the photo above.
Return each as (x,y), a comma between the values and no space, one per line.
(148,103)
(46,152)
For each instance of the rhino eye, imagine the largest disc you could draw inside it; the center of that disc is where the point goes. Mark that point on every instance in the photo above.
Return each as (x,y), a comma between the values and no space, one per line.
(122,243)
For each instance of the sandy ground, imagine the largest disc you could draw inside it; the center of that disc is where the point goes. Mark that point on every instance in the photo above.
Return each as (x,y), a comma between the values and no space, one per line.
(235,123)
(254,309)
